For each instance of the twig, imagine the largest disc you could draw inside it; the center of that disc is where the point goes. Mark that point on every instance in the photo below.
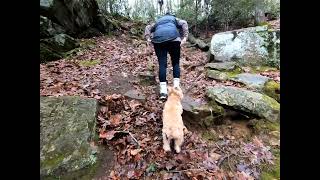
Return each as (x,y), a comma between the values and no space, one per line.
(221,160)
(127,132)
(179,171)
(229,162)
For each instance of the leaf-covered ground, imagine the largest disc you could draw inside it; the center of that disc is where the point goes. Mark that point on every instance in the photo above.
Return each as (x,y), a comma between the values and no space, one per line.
(133,128)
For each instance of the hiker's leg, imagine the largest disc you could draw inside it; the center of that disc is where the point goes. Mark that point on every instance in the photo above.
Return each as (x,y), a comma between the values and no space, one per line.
(161,52)
(174,51)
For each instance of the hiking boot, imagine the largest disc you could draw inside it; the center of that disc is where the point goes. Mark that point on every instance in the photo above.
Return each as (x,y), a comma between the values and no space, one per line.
(163,96)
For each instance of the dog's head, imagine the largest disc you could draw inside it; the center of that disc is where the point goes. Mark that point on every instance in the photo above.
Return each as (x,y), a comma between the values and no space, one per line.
(175,91)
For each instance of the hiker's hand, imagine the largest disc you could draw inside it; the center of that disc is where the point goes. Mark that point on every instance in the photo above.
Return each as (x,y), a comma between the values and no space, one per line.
(183,41)
(149,42)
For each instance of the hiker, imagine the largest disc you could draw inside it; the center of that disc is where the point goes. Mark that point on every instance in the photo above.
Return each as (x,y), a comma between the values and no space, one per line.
(167,34)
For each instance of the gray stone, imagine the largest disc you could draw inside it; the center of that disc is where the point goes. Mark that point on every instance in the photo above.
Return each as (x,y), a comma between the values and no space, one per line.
(61,42)
(134,94)
(255,81)
(67,125)
(200,113)
(223,66)
(217,75)
(245,100)
(250,46)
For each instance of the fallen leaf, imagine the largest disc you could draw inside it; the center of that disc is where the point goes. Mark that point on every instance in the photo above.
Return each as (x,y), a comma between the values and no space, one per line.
(115,119)
(135,151)
(214,156)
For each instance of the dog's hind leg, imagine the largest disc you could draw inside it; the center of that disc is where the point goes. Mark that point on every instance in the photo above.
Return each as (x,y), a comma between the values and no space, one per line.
(177,144)
(166,143)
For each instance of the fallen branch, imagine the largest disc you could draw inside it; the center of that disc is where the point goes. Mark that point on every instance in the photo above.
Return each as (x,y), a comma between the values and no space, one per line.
(179,171)
(127,132)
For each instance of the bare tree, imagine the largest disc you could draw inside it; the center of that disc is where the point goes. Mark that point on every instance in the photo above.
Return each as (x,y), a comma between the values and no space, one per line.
(160,5)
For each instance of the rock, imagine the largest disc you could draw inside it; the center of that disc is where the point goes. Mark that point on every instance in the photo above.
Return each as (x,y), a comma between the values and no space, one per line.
(272,89)
(67,126)
(147,78)
(250,46)
(73,15)
(61,42)
(134,94)
(224,66)
(46,3)
(48,54)
(90,32)
(201,114)
(217,75)
(199,43)
(117,84)
(255,81)
(49,28)
(245,100)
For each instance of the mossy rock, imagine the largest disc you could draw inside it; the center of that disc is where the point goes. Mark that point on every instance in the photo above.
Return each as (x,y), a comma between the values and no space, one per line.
(272,89)
(217,75)
(47,54)
(244,100)
(67,126)
(222,66)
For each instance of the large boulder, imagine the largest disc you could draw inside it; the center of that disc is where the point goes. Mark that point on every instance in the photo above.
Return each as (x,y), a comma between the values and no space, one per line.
(74,16)
(67,126)
(49,28)
(54,48)
(246,101)
(250,46)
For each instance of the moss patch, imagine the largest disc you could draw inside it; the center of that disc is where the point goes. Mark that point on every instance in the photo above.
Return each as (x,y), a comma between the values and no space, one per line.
(209,136)
(265,24)
(273,103)
(273,172)
(89,63)
(272,89)
(264,126)
(258,69)
(234,72)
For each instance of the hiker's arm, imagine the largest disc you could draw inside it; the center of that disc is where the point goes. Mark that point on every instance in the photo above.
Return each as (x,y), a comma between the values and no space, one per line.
(147,31)
(185,31)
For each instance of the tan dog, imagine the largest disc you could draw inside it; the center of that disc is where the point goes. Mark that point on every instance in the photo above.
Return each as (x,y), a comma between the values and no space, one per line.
(173,127)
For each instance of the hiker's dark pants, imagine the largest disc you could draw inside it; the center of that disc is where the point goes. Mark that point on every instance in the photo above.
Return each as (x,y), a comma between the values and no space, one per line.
(162,49)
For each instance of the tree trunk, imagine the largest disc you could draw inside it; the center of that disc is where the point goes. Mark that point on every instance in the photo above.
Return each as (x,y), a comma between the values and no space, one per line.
(196,18)
(259,13)
(110,6)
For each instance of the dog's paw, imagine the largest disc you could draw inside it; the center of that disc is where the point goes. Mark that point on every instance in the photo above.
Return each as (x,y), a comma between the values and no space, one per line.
(166,148)
(177,149)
